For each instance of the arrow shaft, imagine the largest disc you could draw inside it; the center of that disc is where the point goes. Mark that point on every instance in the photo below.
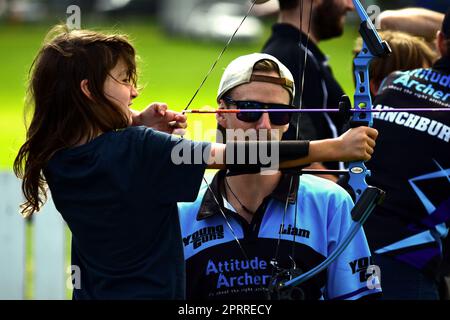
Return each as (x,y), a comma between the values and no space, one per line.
(316,110)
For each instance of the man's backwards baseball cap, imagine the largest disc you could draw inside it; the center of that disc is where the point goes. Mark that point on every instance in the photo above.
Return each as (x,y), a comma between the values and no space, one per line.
(240,71)
(446,25)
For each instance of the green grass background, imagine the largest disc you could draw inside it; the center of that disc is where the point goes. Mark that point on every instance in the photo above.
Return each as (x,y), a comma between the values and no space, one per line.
(170,69)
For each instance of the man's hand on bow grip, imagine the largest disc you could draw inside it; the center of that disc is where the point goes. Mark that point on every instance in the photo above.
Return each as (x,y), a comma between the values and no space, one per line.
(356,144)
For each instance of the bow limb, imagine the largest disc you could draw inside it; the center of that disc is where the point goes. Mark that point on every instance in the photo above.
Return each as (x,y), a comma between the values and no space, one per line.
(373,47)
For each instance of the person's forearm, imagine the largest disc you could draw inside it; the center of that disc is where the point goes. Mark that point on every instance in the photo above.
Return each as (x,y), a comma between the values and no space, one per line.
(354,145)
(416,21)
(135,118)
(318,151)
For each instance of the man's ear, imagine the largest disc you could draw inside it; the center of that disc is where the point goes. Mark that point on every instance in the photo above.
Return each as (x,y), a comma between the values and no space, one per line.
(220,117)
(285,129)
(85,89)
(441,43)
(374,87)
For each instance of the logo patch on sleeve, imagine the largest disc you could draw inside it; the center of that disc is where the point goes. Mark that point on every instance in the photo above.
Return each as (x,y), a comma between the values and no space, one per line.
(204,235)
(360,266)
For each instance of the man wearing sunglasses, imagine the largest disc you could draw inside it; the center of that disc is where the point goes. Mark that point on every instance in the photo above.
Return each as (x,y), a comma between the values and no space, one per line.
(245,231)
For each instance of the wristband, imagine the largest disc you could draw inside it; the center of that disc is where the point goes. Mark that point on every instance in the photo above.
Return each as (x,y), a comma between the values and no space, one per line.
(248,157)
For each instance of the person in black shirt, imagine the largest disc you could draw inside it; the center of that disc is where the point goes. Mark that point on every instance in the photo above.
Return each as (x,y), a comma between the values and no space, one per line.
(98,160)
(407,232)
(294,39)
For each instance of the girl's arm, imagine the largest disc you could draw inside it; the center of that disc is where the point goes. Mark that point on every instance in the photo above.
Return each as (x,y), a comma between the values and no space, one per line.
(355,144)
(156,116)
(416,21)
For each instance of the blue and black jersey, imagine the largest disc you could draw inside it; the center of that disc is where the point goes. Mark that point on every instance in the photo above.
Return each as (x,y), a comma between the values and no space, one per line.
(412,164)
(217,269)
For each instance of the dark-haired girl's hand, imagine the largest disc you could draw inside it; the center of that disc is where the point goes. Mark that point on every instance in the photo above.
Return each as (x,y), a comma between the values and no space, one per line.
(158,117)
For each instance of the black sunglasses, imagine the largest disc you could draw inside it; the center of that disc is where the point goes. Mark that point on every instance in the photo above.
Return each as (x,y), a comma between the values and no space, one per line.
(276,118)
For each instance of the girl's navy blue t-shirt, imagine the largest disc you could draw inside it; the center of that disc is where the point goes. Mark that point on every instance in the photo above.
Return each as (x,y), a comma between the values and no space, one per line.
(118,195)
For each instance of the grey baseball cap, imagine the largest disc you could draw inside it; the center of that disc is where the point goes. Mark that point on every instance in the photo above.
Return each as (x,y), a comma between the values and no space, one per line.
(240,71)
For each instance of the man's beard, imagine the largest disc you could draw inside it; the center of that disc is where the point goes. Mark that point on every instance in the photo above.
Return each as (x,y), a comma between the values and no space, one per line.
(327,20)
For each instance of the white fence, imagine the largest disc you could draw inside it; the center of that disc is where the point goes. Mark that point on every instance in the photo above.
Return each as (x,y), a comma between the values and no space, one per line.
(46,248)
